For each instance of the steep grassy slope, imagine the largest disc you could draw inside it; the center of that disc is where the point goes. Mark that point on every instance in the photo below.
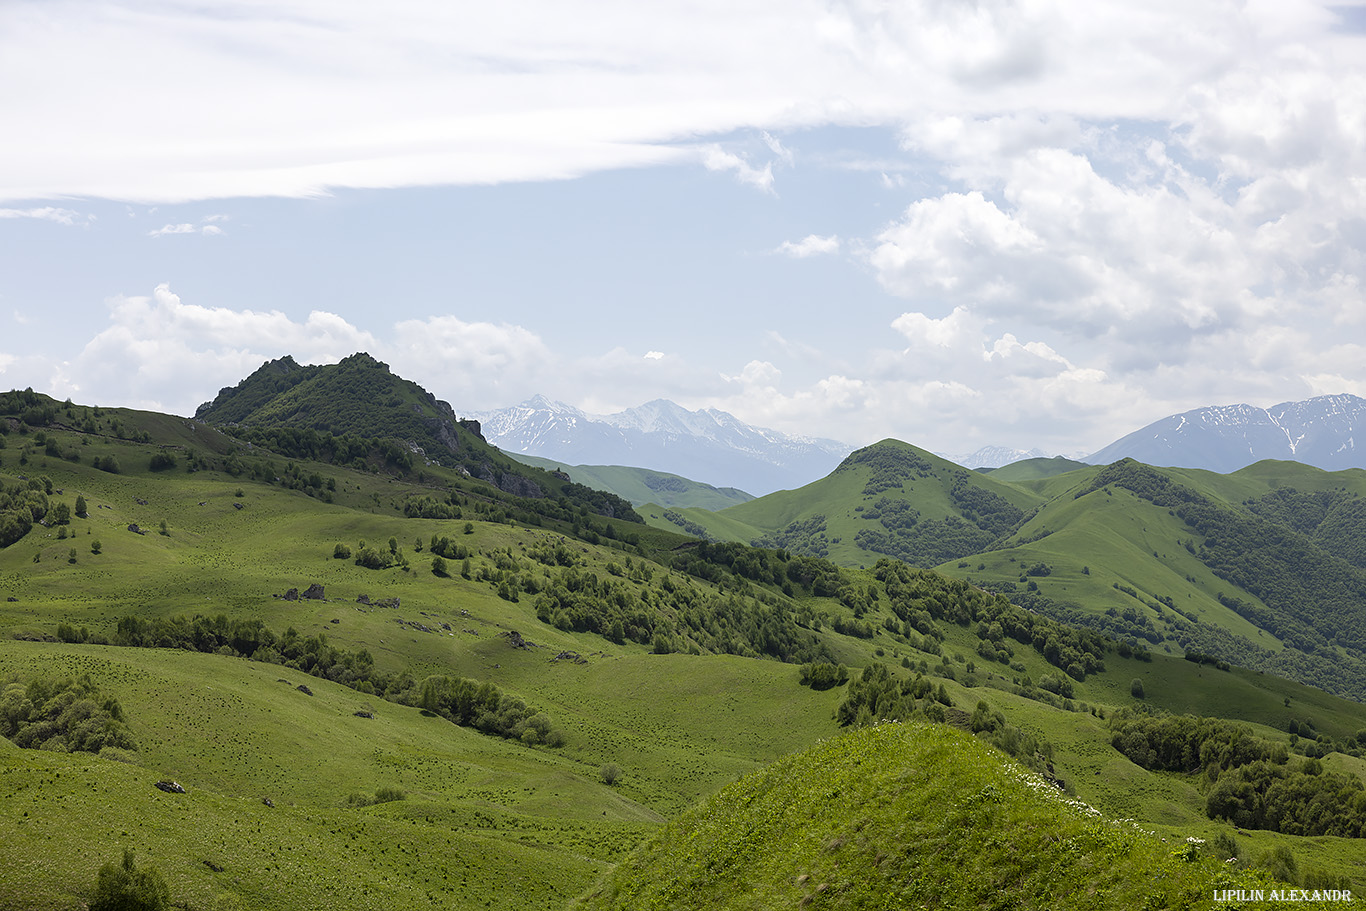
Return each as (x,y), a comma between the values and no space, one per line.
(643,485)
(907,816)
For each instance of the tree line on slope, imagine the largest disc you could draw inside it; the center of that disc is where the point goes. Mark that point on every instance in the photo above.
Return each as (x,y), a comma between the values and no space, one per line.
(482,706)
(1315,601)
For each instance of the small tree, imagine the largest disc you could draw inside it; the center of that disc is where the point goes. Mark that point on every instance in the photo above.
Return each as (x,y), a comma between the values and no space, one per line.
(438,565)
(95,547)
(164,530)
(124,888)
(71,555)
(81,512)
(1136,688)
(611,774)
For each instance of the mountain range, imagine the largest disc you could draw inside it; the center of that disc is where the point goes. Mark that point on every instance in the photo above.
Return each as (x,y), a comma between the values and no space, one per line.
(709,445)
(1320,431)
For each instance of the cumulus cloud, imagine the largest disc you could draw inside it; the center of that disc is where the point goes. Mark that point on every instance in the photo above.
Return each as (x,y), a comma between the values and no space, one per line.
(208,227)
(161,353)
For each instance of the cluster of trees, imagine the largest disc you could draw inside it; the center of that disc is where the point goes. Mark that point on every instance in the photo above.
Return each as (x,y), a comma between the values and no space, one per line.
(1187,743)
(804,536)
(1334,519)
(21,505)
(822,675)
(671,616)
(891,466)
(465,702)
(482,706)
(64,715)
(29,408)
(1251,781)
(306,443)
(919,598)
(793,575)
(428,507)
(984,508)
(876,694)
(926,543)
(688,525)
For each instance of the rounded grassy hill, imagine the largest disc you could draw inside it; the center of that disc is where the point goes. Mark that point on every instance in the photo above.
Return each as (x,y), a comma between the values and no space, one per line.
(911,816)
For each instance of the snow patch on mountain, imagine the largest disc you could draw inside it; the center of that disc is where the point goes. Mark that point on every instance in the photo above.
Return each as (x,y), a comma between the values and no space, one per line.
(1319,431)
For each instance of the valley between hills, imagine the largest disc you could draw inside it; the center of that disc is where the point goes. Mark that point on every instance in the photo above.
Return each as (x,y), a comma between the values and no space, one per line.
(323,646)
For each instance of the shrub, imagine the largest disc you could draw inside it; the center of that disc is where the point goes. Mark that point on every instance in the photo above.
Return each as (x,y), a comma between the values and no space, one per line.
(124,888)
(1136,688)
(341,552)
(439,566)
(611,774)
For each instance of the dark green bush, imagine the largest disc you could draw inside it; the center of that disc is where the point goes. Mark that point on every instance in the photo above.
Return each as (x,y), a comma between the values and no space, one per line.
(125,888)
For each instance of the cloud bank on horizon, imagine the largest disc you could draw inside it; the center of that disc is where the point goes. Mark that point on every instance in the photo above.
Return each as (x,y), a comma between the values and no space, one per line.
(1028,223)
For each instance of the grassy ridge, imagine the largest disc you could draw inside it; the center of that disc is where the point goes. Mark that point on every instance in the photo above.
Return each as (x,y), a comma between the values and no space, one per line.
(643,485)
(906,816)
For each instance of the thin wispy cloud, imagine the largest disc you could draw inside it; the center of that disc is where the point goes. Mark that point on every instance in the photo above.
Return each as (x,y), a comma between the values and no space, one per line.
(49,213)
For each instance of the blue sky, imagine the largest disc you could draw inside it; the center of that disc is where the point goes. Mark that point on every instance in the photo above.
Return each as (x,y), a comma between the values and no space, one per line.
(1019,223)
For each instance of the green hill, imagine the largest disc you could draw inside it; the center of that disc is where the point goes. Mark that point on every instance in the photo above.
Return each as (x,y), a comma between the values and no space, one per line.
(357,413)
(889,499)
(643,485)
(1034,469)
(905,816)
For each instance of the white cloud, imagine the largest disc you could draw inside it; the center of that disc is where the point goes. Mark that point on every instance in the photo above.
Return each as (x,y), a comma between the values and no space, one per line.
(298,96)
(957,330)
(208,230)
(653,355)
(715,158)
(756,373)
(49,213)
(158,352)
(810,245)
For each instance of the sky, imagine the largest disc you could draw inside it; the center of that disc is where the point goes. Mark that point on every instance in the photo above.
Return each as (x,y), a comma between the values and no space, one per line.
(952,222)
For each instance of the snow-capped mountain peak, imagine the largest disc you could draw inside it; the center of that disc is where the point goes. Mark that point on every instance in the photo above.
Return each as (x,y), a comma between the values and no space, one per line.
(1320,431)
(708,445)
